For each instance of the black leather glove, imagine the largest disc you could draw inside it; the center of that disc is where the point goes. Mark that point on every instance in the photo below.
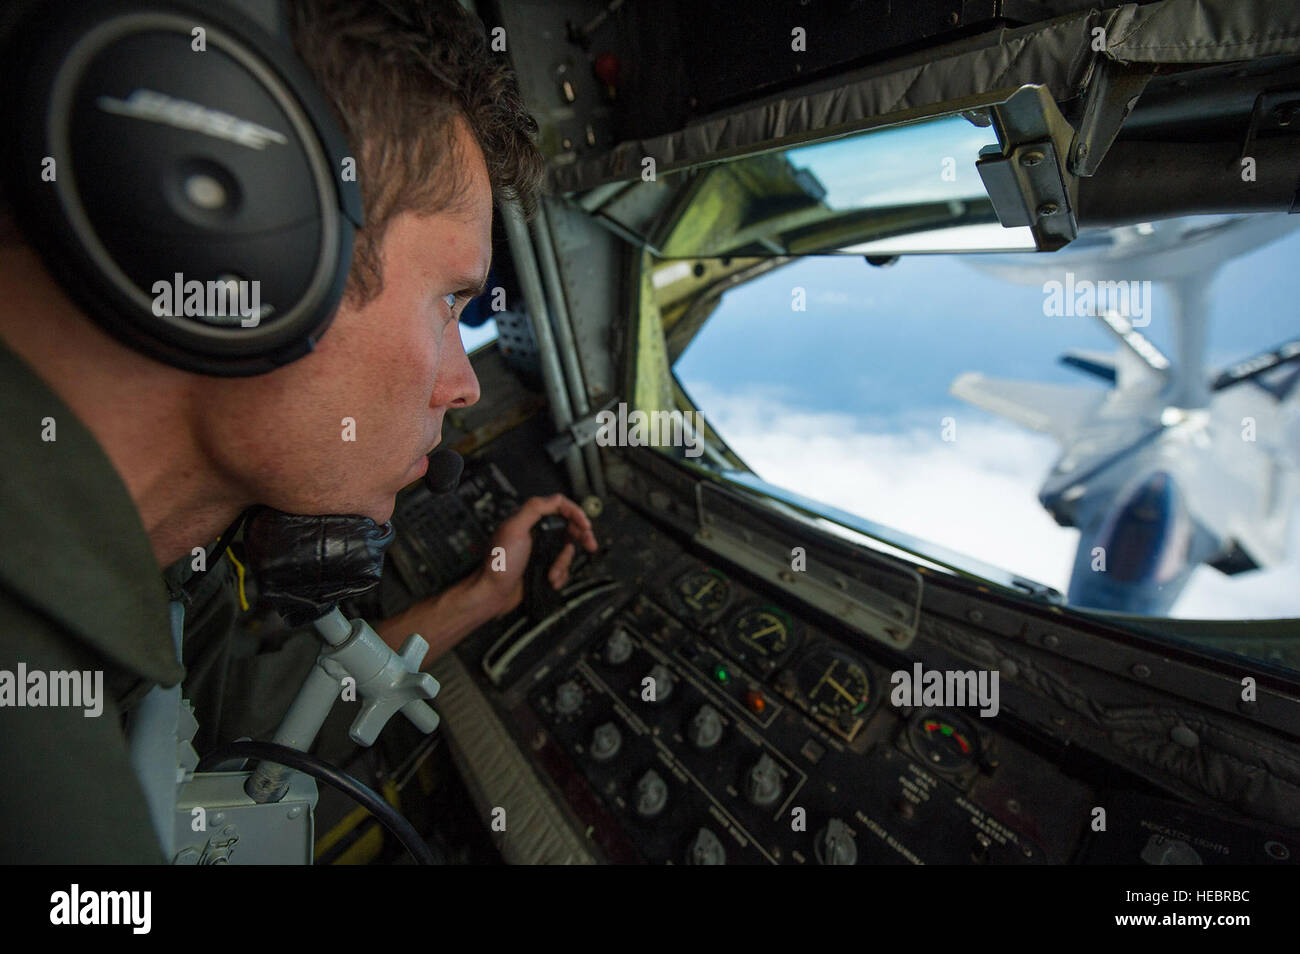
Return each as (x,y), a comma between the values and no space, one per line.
(306,565)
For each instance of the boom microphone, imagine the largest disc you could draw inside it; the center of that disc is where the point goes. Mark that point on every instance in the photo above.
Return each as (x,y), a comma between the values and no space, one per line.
(445,467)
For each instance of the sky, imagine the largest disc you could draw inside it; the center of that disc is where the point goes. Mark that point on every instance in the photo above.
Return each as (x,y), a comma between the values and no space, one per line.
(883,167)
(844,402)
(473,338)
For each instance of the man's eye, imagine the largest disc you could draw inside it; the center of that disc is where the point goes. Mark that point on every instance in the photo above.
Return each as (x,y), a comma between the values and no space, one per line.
(450,299)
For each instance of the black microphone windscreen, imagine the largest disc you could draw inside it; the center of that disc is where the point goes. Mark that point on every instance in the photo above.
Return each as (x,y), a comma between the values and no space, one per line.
(445,467)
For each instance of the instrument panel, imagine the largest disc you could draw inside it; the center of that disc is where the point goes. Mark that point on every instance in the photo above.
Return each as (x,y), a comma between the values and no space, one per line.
(764,639)
(681,712)
(700,722)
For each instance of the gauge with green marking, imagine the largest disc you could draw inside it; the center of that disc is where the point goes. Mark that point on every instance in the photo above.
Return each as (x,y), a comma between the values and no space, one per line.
(944,740)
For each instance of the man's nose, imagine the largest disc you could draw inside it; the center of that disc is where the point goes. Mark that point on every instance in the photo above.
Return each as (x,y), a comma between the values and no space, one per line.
(457,381)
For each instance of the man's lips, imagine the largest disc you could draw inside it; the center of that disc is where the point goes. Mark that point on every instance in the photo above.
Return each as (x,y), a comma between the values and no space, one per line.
(421,463)
(432,447)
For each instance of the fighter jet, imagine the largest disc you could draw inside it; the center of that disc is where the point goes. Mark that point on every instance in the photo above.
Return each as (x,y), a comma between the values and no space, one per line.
(1170,467)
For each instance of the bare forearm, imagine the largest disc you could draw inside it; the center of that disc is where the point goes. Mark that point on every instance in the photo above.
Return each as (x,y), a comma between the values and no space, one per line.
(443,620)
(497,587)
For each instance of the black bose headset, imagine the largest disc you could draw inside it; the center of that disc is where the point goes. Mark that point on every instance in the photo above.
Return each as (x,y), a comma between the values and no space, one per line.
(159,148)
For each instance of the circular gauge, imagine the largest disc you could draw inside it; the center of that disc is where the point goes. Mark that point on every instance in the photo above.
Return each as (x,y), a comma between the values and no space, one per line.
(703,592)
(764,633)
(943,739)
(837,686)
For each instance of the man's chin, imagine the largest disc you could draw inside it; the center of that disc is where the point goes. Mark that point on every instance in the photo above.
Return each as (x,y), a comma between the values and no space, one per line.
(377,508)
(382,512)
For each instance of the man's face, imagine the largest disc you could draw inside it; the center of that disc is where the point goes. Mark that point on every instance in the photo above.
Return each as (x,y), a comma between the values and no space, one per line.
(343,429)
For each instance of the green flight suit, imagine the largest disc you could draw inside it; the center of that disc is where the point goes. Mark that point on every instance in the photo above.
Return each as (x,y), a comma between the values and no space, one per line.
(80,589)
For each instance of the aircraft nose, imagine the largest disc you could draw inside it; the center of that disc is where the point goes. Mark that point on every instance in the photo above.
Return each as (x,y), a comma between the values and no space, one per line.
(1147,534)
(1153,502)
(1140,557)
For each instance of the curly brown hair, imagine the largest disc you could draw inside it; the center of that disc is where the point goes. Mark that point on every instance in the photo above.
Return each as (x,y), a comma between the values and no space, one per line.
(400,74)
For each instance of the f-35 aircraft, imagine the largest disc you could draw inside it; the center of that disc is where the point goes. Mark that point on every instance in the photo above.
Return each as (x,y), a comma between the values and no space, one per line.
(1172,465)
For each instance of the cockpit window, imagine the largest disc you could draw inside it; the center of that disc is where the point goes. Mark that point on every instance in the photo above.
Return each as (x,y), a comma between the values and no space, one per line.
(1119,420)
(913,187)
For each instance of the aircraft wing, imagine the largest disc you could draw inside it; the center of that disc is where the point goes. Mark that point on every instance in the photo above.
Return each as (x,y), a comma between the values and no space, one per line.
(1056,409)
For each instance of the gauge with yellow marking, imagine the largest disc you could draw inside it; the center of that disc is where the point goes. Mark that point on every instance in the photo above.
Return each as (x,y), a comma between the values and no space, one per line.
(837,688)
(703,593)
(764,634)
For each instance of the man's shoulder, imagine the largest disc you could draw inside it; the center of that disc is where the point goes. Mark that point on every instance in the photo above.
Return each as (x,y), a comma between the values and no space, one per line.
(75,549)
(84,630)
(35,641)
(69,794)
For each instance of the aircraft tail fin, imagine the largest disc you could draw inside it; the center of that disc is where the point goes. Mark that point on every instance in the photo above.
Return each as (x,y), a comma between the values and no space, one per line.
(1119,368)
(1135,344)
(1287,387)
(1097,363)
(1261,366)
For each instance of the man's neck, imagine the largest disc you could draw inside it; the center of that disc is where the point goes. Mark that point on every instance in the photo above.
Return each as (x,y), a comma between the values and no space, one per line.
(140,411)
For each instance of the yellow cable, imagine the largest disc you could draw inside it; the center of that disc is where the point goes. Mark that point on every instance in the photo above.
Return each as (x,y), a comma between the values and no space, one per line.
(366,848)
(239,573)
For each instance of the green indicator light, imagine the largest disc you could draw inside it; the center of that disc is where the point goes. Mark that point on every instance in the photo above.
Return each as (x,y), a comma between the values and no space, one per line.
(721,674)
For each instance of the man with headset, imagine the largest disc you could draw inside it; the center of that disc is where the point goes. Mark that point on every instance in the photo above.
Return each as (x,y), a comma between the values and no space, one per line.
(244,140)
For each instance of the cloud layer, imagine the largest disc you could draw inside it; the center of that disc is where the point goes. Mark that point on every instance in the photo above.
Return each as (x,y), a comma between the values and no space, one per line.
(977,494)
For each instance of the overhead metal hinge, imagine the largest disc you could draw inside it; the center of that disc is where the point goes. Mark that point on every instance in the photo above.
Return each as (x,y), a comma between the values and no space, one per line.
(1112,94)
(1025,174)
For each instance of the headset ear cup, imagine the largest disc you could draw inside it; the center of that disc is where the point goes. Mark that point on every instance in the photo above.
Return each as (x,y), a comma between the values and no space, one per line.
(183,180)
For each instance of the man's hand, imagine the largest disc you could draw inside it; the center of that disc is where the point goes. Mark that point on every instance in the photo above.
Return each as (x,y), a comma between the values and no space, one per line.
(502,588)
(447,618)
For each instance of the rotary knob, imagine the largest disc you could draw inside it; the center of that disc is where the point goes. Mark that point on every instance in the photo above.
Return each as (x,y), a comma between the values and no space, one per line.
(706,850)
(663,683)
(605,742)
(763,783)
(835,844)
(651,794)
(568,698)
(618,648)
(706,728)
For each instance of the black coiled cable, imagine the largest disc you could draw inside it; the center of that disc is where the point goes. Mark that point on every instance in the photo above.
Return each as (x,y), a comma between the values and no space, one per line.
(322,771)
